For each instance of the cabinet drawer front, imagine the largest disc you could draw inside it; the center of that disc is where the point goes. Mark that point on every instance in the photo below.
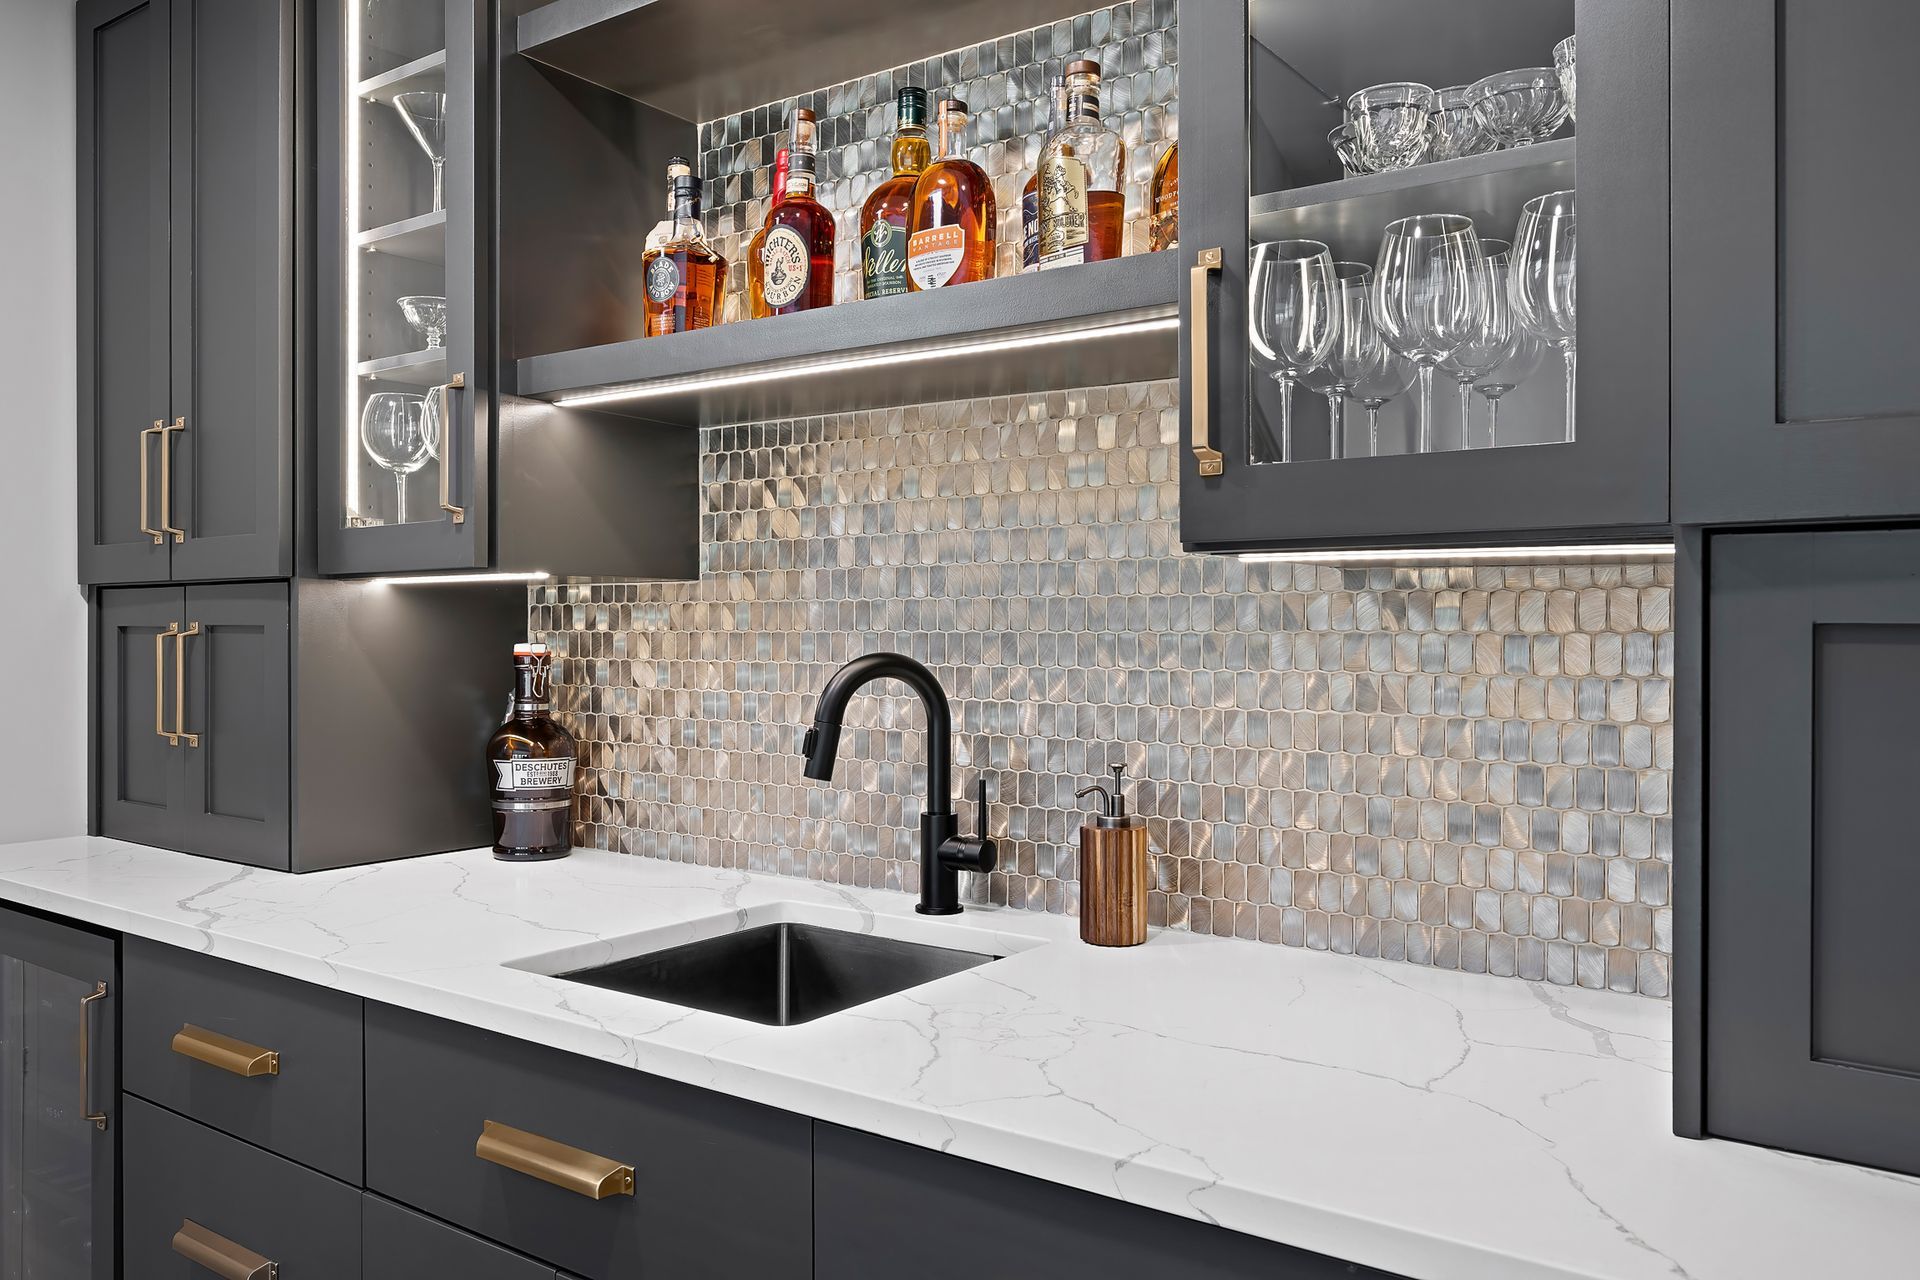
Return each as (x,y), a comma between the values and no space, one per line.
(720,1187)
(223,1198)
(197,1035)
(398,1244)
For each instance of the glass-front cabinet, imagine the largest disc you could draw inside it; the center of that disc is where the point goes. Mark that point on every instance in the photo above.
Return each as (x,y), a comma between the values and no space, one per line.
(405,323)
(1428,273)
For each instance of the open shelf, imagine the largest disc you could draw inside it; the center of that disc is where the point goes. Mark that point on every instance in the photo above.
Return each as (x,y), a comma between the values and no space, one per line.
(410,369)
(429,72)
(1092,325)
(418,239)
(1349,215)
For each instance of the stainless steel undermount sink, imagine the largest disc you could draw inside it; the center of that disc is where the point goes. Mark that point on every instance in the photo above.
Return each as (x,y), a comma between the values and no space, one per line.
(780,974)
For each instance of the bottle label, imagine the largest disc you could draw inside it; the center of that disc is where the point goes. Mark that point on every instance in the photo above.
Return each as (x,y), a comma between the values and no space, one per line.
(934,255)
(533,775)
(784,263)
(663,279)
(1062,188)
(1030,226)
(883,260)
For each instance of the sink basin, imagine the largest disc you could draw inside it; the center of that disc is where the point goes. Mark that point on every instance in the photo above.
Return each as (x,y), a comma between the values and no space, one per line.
(780,974)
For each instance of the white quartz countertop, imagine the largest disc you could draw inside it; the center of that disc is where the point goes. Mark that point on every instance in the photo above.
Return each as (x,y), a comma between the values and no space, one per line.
(1437,1125)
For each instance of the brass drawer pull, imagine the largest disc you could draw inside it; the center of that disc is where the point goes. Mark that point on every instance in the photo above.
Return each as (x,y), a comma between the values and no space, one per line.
(224,1052)
(87,1002)
(160,684)
(447,447)
(220,1255)
(569,1168)
(180,687)
(166,480)
(159,539)
(1200,364)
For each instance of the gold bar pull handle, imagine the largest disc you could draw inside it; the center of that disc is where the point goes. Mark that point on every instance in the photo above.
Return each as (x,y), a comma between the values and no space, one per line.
(87,1002)
(159,539)
(447,447)
(180,686)
(160,684)
(166,479)
(569,1168)
(1200,363)
(220,1255)
(224,1052)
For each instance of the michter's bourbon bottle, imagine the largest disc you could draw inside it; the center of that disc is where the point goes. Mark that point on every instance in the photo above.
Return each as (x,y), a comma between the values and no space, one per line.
(756,300)
(684,276)
(794,271)
(950,239)
(883,221)
(1082,171)
(530,762)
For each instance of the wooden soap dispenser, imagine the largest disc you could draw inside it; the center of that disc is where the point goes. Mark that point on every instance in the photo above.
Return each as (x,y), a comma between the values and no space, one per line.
(1113,870)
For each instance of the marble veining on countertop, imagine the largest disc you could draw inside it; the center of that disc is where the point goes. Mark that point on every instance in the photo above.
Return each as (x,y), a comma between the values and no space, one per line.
(1437,1125)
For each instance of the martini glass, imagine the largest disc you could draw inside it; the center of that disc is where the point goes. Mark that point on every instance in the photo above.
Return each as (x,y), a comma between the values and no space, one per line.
(425,114)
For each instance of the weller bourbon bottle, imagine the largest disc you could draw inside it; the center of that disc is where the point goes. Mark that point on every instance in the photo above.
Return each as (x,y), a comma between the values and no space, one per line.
(530,762)
(883,220)
(950,239)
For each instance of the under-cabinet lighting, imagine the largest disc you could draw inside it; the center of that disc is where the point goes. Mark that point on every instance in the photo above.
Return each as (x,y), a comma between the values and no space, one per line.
(876,360)
(1435,555)
(445,579)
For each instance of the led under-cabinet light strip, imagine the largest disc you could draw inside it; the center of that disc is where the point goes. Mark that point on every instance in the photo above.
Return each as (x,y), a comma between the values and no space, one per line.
(1434,555)
(445,579)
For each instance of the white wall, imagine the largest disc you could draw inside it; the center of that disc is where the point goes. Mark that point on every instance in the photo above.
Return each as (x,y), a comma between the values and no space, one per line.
(43,642)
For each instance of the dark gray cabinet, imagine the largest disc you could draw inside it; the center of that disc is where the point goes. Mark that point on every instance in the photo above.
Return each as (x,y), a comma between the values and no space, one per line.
(398,1244)
(186,289)
(1794,394)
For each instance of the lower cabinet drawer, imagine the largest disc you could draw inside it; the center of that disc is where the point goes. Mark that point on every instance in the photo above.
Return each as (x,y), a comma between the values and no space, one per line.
(398,1244)
(607,1173)
(197,1203)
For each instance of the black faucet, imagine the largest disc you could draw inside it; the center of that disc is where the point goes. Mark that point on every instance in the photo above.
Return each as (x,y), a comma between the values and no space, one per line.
(944,853)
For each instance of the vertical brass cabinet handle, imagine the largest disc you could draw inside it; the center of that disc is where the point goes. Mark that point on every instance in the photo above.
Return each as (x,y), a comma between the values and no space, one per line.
(166,479)
(224,1052)
(159,539)
(569,1168)
(99,1118)
(160,683)
(1200,364)
(220,1255)
(180,686)
(447,448)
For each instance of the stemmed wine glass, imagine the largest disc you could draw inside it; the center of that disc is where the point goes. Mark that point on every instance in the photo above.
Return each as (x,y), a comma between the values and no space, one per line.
(1355,350)
(1541,278)
(1517,363)
(425,114)
(1295,321)
(1423,295)
(1492,332)
(393,430)
(1388,375)
(1392,124)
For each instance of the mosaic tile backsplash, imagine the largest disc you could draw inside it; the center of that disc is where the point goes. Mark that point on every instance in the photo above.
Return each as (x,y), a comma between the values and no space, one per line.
(1004,82)
(1460,767)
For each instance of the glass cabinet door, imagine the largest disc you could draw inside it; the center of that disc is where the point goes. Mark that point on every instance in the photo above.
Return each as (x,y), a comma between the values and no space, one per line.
(402,390)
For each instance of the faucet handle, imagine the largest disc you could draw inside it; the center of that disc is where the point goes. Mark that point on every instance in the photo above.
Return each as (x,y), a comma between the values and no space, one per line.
(976,852)
(980,807)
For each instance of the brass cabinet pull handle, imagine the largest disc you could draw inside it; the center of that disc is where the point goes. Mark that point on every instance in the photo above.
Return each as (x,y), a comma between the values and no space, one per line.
(569,1168)
(220,1255)
(159,539)
(447,449)
(166,479)
(160,683)
(180,686)
(224,1052)
(99,1118)
(1200,361)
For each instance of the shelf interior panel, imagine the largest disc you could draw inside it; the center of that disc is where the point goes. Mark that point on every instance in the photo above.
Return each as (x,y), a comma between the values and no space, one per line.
(418,239)
(429,72)
(410,369)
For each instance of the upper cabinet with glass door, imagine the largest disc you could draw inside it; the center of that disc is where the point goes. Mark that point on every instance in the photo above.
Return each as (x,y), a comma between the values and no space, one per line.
(1437,310)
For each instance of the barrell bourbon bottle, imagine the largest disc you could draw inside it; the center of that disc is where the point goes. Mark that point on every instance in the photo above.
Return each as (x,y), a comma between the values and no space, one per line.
(883,220)
(530,760)
(795,266)
(1030,194)
(1082,175)
(757,301)
(1163,231)
(950,239)
(684,276)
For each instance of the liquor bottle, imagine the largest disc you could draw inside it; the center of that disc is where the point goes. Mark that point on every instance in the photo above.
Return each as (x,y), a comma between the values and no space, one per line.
(795,266)
(883,220)
(1082,168)
(950,239)
(684,276)
(677,167)
(1163,229)
(1030,194)
(531,759)
(756,301)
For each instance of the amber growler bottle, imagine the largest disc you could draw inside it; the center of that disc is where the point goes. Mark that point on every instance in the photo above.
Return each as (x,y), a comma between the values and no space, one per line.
(530,761)
(950,239)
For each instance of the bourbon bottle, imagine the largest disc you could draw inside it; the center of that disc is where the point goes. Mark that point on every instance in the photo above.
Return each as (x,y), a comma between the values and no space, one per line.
(1163,230)
(1030,194)
(530,761)
(794,271)
(677,167)
(684,276)
(883,220)
(756,301)
(1082,176)
(950,239)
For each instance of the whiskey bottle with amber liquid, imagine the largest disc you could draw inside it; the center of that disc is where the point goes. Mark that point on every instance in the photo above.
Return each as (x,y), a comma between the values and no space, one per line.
(1030,194)
(950,238)
(757,301)
(794,269)
(1163,229)
(883,219)
(530,765)
(1082,178)
(683,275)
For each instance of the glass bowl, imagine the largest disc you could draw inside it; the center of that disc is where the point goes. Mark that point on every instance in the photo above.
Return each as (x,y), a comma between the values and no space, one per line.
(1392,124)
(1457,128)
(1340,138)
(1563,67)
(1520,107)
(428,315)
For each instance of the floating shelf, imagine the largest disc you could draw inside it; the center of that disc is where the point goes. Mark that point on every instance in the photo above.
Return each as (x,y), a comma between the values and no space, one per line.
(1095,325)
(412,369)
(429,72)
(418,239)
(1349,215)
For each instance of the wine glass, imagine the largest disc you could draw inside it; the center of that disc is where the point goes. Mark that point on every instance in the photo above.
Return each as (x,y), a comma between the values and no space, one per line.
(1541,279)
(425,114)
(1340,138)
(430,423)
(1492,331)
(1423,295)
(1563,68)
(1355,350)
(1523,355)
(1457,127)
(1392,124)
(1295,322)
(1520,107)
(428,316)
(393,430)
(1388,374)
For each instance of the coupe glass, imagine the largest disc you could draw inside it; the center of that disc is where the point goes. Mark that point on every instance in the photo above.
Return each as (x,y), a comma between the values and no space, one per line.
(1541,278)
(1457,127)
(1295,319)
(1355,350)
(1340,138)
(428,316)
(1424,294)
(1519,107)
(425,113)
(1523,355)
(1387,376)
(1492,333)
(1563,67)
(1392,124)
(393,431)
